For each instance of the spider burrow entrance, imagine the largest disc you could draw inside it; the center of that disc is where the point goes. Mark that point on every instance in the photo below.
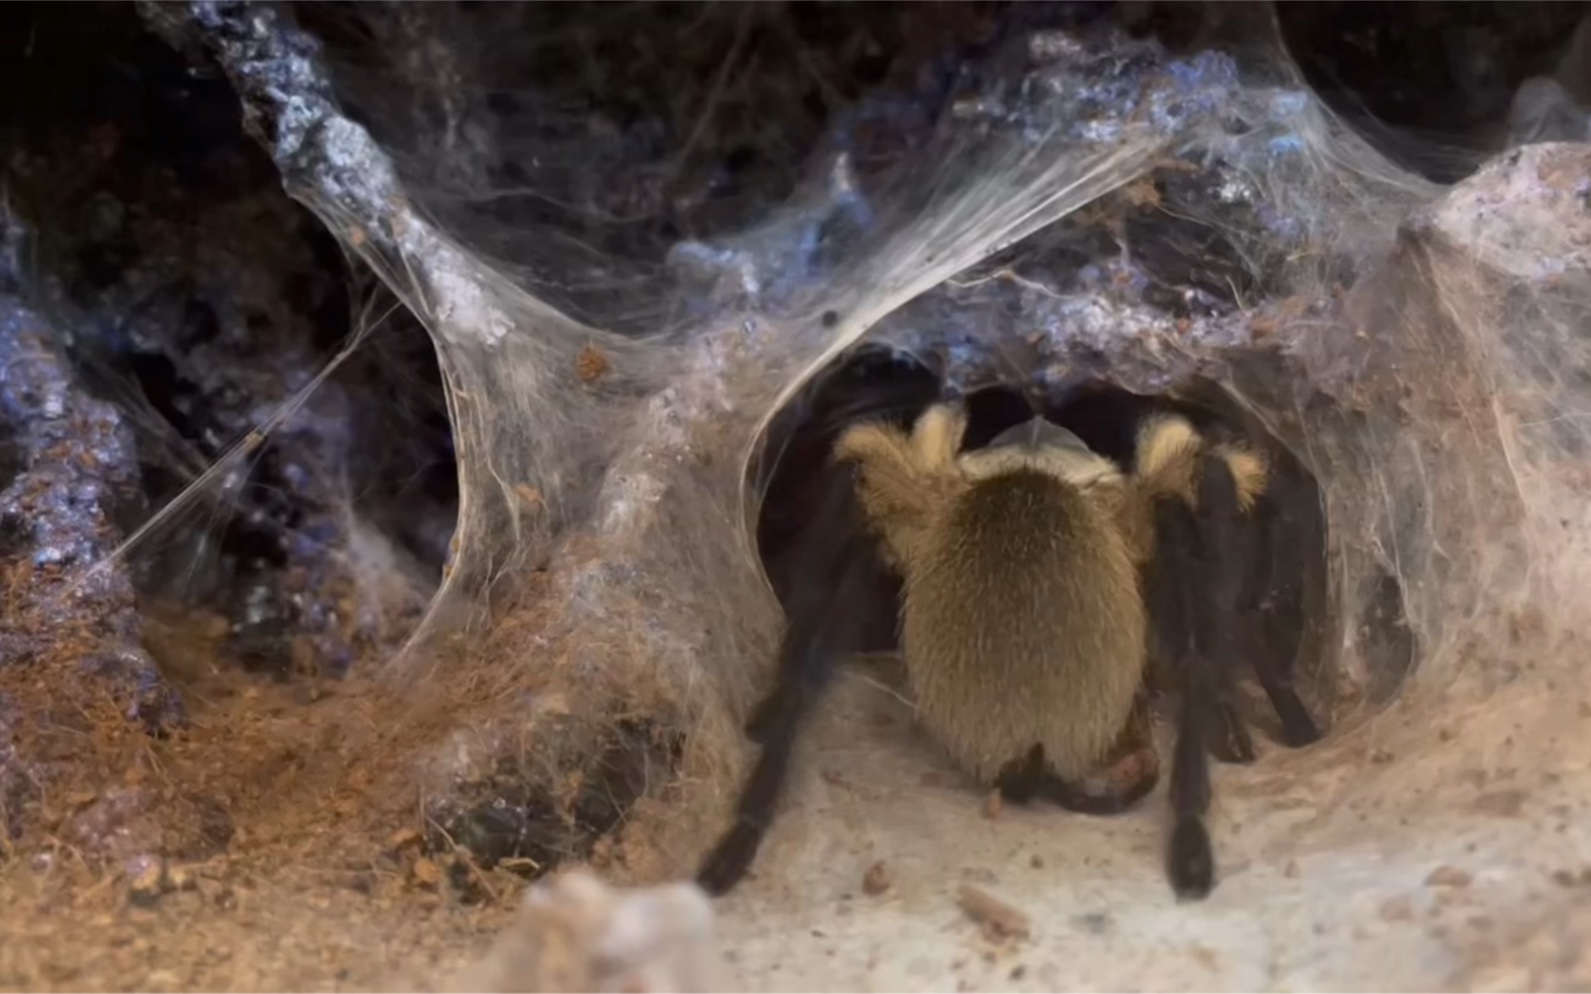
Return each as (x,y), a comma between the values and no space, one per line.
(1180,551)
(1300,616)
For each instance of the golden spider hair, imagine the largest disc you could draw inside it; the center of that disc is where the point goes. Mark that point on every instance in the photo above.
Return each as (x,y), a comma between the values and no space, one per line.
(1022,621)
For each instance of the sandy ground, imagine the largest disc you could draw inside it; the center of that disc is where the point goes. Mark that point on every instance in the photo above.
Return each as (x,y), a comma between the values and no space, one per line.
(1420,872)
(1444,845)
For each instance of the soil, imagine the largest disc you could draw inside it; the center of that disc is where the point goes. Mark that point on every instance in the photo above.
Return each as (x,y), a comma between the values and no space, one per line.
(288,824)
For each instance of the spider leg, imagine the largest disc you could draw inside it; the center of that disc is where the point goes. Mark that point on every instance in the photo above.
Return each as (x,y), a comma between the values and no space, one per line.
(731,858)
(1019,781)
(1071,797)
(1130,773)
(764,721)
(1026,779)
(1177,590)
(839,566)
(1209,552)
(1201,561)
(936,438)
(833,534)
(1298,725)
(1190,859)
(1280,563)
(900,495)
(1229,738)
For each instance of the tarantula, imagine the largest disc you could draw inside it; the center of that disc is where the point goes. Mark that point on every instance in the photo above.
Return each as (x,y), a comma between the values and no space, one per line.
(1040,578)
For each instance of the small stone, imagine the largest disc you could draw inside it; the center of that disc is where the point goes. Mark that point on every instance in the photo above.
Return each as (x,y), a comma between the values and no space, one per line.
(997,919)
(876,880)
(1094,922)
(1036,861)
(1448,876)
(1397,909)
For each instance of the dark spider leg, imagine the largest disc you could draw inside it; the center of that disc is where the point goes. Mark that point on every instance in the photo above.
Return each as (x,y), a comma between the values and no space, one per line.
(1202,557)
(1209,553)
(1179,577)
(831,516)
(1071,797)
(1229,738)
(1281,566)
(1190,859)
(1024,779)
(1298,726)
(729,860)
(836,567)
(839,563)
(763,723)
(1020,779)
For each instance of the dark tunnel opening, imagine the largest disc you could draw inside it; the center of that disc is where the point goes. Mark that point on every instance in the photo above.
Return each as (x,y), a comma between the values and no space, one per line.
(1294,617)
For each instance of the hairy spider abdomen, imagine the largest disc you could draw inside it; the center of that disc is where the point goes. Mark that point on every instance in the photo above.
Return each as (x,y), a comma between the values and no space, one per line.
(1023,625)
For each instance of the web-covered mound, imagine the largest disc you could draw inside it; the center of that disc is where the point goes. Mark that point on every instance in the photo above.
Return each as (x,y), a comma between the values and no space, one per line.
(1087,207)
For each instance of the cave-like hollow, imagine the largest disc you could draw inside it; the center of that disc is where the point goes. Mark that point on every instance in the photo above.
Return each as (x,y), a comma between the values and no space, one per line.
(1297,615)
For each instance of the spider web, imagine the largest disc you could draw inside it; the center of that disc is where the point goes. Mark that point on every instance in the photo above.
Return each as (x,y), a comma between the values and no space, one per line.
(1089,205)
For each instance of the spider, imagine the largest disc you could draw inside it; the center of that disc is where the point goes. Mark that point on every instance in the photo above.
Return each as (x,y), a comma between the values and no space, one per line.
(1040,579)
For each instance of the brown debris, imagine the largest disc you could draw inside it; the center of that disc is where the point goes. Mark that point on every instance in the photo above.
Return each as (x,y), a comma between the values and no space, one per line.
(426,873)
(529,496)
(1449,876)
(992,805)
(1502,803)
(1397,909)
(1142,193)
(876,880)
(591,364)
(997,919)
(149,883)
(281,833)
(1567,878)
